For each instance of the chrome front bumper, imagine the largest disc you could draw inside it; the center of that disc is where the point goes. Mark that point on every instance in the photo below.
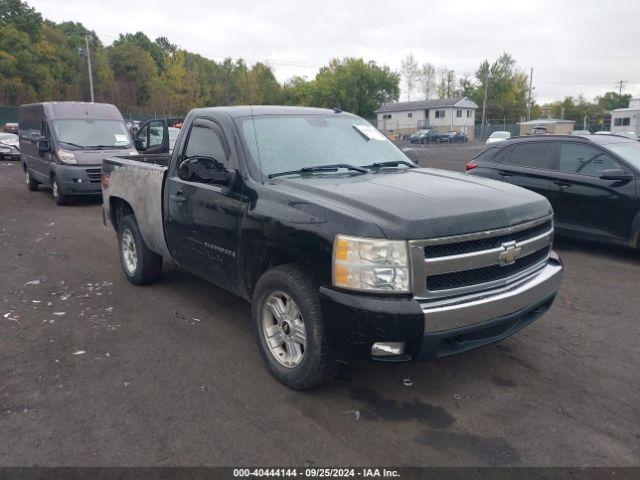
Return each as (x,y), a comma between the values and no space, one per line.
(493,304)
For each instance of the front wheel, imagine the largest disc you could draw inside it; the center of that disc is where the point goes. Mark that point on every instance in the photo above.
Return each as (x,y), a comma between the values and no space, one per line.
(59,197)
(289,328)
(32,185)
(140,265)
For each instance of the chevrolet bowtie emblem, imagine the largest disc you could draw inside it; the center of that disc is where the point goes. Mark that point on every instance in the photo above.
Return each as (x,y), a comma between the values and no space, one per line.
(509,254)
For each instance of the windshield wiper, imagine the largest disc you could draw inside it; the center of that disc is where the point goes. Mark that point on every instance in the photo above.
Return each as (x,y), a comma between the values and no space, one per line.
(103,147)
(72,144)
(320,168)
(393,163)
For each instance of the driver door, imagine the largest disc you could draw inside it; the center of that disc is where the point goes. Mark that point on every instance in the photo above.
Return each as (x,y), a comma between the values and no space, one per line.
(203,210)
(153,137)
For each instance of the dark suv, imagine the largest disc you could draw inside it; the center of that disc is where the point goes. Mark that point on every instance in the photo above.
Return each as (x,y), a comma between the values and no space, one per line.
(590,180)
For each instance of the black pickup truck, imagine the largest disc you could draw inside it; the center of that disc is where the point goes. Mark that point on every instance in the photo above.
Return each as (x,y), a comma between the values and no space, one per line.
(345,249)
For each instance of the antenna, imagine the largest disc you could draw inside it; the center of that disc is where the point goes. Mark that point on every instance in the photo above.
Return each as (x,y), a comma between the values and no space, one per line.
(337,108)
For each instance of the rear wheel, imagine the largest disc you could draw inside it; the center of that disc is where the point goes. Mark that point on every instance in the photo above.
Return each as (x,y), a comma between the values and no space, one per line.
(32,185)
(140,265)
(289,328)
(59,197)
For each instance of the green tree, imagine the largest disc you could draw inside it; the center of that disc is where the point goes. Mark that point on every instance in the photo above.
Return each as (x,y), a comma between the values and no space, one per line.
(135,75)
(357,86)
(23,17)
(506,87)
(157,51)
(612,100)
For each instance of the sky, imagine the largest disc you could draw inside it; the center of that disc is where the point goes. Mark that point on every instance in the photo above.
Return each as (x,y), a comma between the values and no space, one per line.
(574,47)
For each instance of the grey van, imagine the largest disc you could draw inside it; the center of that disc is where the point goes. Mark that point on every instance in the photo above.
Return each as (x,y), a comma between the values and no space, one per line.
(62,144)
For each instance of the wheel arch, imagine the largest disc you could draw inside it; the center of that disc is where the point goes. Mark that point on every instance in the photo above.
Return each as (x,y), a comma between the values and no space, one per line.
(259,260)
(119,208)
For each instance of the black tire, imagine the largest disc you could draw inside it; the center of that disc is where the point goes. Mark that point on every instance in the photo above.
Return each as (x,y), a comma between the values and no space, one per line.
(316,366)
(148,264)
(58,196)
(32,185)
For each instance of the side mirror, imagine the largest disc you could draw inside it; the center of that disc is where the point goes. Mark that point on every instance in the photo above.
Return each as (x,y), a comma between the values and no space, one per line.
(44,146)
(141,145)
(205,170)
(615,174)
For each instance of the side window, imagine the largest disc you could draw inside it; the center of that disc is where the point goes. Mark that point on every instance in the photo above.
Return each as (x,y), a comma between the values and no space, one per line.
(487,154)
(534,155)
(205,142)
(584,159)
(156,132)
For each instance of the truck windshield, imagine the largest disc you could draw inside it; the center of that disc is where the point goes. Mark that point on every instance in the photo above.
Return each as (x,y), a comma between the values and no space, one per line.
(87,133)
(280,143)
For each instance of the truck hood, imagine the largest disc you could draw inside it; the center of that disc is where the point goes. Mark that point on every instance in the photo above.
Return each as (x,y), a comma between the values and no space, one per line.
(422,203)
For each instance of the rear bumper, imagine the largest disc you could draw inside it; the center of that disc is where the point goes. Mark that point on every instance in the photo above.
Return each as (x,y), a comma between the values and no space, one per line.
(437,329)
(79,180)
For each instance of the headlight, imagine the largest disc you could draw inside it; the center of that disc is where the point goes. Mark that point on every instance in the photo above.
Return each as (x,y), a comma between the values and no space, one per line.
(67,157)
(371,264)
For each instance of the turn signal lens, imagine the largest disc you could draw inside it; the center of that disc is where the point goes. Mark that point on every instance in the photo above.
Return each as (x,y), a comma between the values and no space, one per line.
(371,264)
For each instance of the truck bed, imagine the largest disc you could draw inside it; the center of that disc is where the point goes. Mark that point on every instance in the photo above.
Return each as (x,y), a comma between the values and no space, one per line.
(138,180)
(161,159)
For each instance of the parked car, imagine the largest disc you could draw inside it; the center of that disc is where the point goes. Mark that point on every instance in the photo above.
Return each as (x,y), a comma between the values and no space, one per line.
(538,130)
(173,136)
(591,181)
(11,128)
(629,134)
(63,144)
(424,136)
(498,136)
(9,146)
(344,247)
(457,137)
(580,132)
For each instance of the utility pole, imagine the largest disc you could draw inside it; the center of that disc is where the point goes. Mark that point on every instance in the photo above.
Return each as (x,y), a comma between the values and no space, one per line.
(88,52)
(621,83)
(529,102)
(484,104)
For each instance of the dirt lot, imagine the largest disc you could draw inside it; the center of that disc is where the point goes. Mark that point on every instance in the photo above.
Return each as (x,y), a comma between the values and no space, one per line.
(95,371)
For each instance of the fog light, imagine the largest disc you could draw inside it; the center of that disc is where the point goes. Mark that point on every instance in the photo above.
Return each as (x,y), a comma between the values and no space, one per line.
(387,349)
(78,180)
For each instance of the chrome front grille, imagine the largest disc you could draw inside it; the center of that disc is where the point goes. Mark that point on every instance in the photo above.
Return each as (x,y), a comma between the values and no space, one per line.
(458,265)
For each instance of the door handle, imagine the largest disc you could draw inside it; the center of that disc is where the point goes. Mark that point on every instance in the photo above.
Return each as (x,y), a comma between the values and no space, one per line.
(504,173)
(178,198)
(562,184)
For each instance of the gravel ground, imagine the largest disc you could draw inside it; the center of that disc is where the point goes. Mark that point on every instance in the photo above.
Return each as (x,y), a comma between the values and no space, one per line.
(95,371)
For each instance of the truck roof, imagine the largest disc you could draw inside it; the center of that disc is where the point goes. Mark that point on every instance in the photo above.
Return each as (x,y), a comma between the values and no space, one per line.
(74,110)
(257,110)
